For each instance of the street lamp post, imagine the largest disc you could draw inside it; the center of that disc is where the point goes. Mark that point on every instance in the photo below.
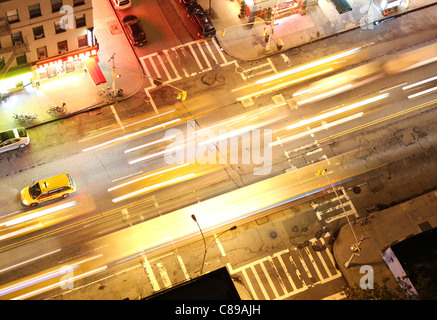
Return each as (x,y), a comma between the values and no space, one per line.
(113,76)
(357,243)
(204,241)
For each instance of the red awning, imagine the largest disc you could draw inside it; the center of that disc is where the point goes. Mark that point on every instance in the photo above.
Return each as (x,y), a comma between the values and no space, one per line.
(94,70)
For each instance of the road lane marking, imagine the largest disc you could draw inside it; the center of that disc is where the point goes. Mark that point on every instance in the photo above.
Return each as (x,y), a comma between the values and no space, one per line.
(30,260)
(204,56)
(116,116)
(199,64)
(337,296)
(150,274)
(164,68)
(164,275)
(269,280)
(130,175)
(219,245)
(392,87)
(184,269)
(178,77)
(252,290)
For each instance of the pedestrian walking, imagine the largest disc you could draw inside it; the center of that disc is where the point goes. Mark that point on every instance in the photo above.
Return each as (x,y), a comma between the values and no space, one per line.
(279,44)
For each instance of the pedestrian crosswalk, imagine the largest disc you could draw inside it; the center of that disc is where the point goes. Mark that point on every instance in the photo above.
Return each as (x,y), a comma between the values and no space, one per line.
(165,271)
(274,277)
(334,206)
(183,61)
(288,272)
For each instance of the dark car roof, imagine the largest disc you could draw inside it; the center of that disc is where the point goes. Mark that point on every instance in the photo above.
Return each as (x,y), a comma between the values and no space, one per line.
(134,24)
(197,10)
(130,18)
(194,7)
(205,20)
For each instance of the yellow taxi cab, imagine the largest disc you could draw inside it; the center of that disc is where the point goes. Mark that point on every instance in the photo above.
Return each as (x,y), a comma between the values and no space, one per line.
(59,186)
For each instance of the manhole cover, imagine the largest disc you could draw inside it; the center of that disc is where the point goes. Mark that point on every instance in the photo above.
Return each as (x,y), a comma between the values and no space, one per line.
(273,234)
(356,190)
(239,70)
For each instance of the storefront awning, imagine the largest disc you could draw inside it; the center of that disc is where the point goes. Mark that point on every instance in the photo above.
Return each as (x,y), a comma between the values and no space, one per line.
(342,6)
(94,70)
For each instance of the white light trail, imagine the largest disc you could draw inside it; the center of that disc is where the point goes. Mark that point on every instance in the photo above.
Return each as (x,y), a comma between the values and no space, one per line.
(155,186)
(281,85)
(39,214)
(419,83)
(30,260)
(149,144)
(318,87)
(132,134)
(336,112)
(329,125)
(148,176)
(326,94)
(307,66)
(422,93)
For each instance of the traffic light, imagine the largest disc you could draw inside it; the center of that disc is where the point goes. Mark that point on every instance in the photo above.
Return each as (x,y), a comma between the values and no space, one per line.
(223,33)
(266,32)
(117,75)
(266,38)
(182,95)
(320,172)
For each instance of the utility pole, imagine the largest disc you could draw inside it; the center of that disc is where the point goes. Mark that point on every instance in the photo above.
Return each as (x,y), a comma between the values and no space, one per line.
(356,245)
(204,241)
(113,76)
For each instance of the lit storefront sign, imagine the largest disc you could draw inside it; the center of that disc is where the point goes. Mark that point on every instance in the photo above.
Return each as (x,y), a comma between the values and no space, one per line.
(390,4)
(274,9)
(65,63)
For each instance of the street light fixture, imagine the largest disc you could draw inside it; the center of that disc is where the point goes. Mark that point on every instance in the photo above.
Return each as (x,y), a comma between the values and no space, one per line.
(204,241)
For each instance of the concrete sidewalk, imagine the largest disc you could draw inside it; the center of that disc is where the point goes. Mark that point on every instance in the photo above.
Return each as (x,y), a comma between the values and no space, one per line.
(78,90)
(381,230)
(321,21)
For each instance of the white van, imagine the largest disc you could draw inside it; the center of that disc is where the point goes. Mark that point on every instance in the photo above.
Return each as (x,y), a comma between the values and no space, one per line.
(122,4)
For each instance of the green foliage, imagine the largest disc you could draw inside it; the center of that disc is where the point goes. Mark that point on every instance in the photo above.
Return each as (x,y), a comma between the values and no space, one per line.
(380,292)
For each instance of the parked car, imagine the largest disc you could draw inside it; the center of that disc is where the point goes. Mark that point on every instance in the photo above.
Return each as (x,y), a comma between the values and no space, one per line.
(187,2)
(56,187)
(13,139)
(134,30)
(201,20)
(122,4)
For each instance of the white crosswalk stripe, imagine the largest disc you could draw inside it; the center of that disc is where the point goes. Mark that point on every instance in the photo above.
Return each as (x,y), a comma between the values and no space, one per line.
(288,272)
(157,270)
(186,60)
(335,207)
(261,70)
